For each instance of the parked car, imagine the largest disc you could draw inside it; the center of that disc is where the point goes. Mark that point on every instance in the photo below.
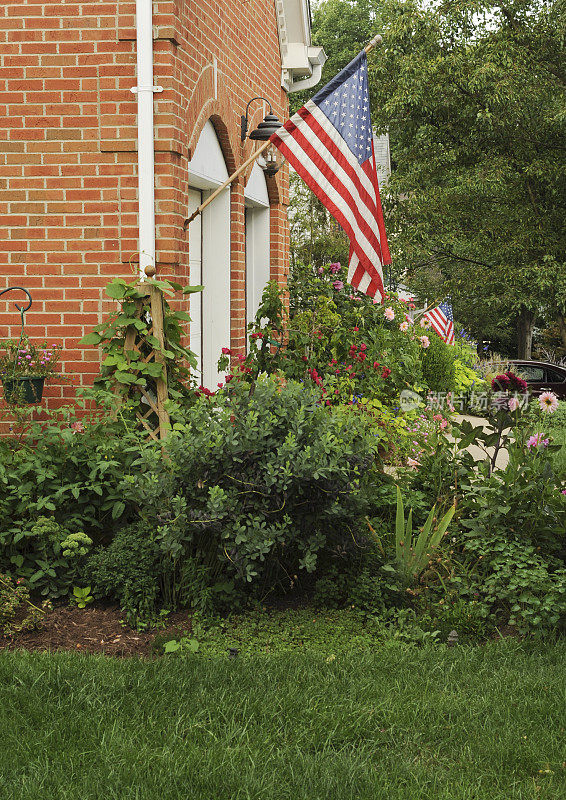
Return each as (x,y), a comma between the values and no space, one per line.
(541,376)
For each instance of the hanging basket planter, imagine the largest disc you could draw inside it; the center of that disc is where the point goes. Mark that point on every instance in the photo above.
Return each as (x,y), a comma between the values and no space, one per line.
(24,389)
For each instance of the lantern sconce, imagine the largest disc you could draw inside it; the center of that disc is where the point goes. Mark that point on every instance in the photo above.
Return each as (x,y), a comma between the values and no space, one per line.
(272,161)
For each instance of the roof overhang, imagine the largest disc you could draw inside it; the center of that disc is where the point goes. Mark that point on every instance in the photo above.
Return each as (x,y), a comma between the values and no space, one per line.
(301,63)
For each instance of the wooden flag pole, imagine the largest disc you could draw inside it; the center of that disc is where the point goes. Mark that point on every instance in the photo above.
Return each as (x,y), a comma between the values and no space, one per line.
(377,40)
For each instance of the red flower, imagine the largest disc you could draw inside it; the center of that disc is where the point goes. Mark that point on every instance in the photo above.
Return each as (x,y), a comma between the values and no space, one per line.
(226,351)
(376,364)
(386,372)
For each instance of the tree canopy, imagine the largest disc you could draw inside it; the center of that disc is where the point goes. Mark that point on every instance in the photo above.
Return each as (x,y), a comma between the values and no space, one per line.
(472,96)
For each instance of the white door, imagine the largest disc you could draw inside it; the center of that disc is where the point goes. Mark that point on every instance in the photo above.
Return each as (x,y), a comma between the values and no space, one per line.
(195,272)
(209,255)
(257,240)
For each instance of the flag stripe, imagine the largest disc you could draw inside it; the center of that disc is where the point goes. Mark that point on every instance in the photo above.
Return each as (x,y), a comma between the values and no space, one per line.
(335,150)
(333,200)
(334,172)
(343,184)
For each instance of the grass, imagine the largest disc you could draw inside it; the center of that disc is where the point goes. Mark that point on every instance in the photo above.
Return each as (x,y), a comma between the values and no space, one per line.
(398,722)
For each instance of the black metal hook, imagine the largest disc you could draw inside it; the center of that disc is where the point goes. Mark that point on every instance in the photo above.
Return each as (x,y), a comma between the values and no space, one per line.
(21,288)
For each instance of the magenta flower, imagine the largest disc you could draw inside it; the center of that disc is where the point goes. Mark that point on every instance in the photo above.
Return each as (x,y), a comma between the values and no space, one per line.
(334,268)
(537,441)
(338,285)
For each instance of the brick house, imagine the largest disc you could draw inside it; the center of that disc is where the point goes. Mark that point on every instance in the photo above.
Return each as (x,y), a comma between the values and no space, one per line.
(69,177)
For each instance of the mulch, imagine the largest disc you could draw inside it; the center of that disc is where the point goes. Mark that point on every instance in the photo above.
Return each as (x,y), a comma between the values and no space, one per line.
(94,630)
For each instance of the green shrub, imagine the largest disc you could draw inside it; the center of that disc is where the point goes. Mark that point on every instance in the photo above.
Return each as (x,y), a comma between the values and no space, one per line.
(129,571)
(336,339)
(527,587)
(68,468)
(439,371)
(255,486)
(45,553)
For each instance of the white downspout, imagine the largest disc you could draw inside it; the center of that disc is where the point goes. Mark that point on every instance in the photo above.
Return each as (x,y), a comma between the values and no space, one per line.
(146,167)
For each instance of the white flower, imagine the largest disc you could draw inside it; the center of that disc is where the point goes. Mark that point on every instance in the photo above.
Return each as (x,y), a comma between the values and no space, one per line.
(548,402)
(389,314)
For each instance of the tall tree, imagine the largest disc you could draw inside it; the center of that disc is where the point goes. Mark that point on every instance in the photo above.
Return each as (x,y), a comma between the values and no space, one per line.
(472,95)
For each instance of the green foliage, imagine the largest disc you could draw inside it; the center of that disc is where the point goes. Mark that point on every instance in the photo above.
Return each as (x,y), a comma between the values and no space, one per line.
(516,580)
(82,597)
(68,468)
(472,97)
(122,371)
(45,554)
(336,339)
(255,486)
(129,571)
(439,370)
(414,553)
(17,613)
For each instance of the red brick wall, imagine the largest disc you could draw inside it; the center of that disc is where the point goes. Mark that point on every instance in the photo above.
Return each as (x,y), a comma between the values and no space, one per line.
(68,163)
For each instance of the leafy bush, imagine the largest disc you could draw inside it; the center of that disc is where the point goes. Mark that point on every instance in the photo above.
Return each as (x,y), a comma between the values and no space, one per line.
(335,339)
(47,555)
(129,571)
(68,468)
(439,371)
(255,486)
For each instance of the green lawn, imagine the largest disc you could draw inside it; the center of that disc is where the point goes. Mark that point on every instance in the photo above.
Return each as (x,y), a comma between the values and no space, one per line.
(473,723)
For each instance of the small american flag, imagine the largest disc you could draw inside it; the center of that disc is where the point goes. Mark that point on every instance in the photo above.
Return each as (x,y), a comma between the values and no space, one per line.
(329,142)
(442,320)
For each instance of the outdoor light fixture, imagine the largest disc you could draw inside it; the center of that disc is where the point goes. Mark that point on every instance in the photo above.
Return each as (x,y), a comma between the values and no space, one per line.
(266,128)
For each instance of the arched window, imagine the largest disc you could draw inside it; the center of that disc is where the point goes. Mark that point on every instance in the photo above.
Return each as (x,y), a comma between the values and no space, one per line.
(209,256)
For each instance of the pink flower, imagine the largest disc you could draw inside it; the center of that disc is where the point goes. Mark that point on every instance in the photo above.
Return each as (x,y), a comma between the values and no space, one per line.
(226,351)
(513,404)
(338,285)
(537,441)
(425,323)
(320,270)
(77,427)
(424,340)
(334,268)
(563,491)
(443,424)
(404,326)
(413,463)
(548,402)
(389,314)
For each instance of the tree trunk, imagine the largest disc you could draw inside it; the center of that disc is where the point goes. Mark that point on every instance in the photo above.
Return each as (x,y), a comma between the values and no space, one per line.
(525,325)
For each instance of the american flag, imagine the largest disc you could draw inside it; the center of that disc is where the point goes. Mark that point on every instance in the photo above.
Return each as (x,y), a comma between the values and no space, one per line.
(329,142)
(442,320)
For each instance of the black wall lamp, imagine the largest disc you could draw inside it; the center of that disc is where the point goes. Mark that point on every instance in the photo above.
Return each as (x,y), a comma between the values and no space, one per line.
(266,128)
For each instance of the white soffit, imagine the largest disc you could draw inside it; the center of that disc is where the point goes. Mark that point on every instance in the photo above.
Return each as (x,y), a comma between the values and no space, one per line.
(299,59)
(256,188)
(207,168)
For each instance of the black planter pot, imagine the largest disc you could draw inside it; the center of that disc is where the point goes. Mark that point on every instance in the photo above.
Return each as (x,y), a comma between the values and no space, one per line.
(23,389)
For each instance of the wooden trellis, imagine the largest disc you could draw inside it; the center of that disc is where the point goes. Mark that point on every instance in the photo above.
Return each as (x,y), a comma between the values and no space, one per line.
(156,419)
